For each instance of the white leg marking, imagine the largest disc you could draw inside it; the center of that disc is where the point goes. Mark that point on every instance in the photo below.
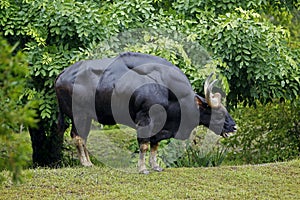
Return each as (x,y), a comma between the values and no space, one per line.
(82,152)
(142,163)
(153,158)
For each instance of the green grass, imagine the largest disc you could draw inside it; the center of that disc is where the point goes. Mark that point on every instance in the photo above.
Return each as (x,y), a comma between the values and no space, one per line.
(272,181)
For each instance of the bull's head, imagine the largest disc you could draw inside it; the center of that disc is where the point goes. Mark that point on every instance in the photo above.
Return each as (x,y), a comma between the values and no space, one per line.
(212,113)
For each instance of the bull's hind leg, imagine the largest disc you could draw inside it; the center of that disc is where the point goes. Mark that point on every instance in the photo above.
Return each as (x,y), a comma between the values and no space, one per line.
(142,160)
(82,151)
(80,142)
(153,158)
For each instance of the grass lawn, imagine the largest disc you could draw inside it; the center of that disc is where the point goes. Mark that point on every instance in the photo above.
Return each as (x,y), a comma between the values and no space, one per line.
(272,181)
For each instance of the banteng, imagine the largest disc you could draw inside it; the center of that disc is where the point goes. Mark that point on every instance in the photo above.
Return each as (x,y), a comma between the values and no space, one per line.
(142,91)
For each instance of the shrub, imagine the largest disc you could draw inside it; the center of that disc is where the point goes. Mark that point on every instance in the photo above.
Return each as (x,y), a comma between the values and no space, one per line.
(267,133)
(15,154)
(259,63)
(14,113)
(204,150)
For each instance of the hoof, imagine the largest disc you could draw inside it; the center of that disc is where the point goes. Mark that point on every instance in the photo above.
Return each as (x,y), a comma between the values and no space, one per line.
(87,164)
(145,171)
(157,169)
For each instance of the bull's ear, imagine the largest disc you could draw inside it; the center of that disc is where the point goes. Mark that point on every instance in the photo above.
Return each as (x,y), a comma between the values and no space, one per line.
(199,102)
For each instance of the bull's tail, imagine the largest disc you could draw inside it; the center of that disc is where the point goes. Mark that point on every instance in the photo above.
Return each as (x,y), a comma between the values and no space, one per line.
(61,125)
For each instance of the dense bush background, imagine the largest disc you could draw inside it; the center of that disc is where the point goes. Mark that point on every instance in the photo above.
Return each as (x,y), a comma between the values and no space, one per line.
(267,133)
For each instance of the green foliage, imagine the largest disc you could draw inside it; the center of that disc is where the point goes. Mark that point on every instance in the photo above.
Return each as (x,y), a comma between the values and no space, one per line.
(14,113)
(15,154)
(267,133)
(13,69)
(195,156)
(255,56)
(193,8)
(287,14)
(259,63)
(204,150)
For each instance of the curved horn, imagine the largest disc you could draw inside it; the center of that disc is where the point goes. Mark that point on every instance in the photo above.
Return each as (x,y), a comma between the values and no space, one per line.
(206,85)
(213,100)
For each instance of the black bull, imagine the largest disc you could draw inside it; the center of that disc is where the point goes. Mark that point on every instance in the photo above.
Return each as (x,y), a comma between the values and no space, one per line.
(142,91)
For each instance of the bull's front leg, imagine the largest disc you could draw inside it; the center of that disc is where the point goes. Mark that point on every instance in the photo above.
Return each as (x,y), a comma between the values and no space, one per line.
(153,159)
(142,158)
